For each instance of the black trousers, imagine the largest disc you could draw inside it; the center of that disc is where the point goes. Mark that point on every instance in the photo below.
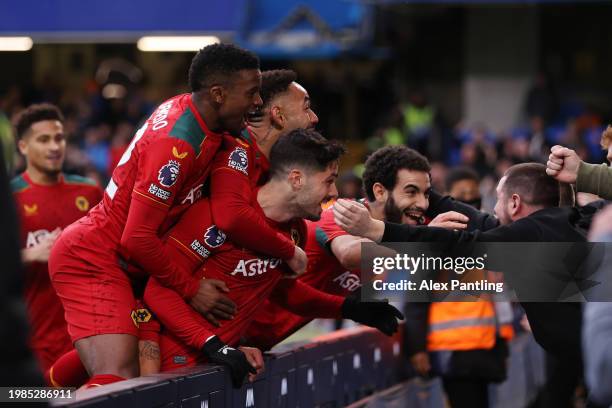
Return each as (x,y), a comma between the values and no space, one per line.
(563,376)
(466,393)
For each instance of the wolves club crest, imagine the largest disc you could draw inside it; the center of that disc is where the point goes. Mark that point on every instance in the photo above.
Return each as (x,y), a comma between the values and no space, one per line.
(239,160)
(140,316)
(169,173)
(295,236)
(214,237)
(82,203)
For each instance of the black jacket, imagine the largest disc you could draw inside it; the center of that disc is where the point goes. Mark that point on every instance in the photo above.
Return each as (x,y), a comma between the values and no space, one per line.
(556,326)
(479,220)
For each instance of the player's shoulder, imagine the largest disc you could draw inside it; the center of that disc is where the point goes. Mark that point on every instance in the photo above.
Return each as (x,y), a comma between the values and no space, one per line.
(75,179)
(19,184)
(243,141)
(327,217)
(235,154)
(176,119)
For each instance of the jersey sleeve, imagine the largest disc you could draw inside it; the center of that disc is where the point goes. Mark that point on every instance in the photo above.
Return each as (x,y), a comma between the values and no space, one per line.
(141,244)
(163,166)
(326,229)
(175,315)
(233,212)
(306,301)
(162,169)
(195,236)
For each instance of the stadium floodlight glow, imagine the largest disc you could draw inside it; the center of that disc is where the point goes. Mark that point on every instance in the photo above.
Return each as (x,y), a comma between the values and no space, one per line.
(179,43)
(15,43)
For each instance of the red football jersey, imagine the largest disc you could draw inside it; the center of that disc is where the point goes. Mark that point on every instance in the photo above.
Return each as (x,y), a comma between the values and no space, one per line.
(237,169)
(250,278)
(42,209)
(273,323)
(165,166)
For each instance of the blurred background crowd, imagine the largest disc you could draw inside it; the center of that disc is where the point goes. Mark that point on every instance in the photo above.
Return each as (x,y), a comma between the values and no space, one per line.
(456,82)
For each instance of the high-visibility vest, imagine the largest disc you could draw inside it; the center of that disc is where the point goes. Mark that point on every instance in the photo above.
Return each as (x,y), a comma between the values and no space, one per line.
(461,325)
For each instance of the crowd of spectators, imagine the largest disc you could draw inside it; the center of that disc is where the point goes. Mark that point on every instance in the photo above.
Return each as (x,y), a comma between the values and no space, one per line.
(100,125)
(548,122)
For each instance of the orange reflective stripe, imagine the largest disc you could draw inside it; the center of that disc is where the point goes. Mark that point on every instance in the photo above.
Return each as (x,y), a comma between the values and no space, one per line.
(464,338)
(461,326)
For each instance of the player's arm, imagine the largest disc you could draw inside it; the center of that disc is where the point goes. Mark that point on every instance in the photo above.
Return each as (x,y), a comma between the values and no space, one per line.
(307,301)
(304,300)
(215,304)
(347,250)
(231,195)
(160,175)
(175,315)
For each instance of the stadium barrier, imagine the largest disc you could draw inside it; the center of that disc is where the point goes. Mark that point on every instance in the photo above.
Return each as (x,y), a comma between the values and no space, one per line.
(333,370)
(526,376)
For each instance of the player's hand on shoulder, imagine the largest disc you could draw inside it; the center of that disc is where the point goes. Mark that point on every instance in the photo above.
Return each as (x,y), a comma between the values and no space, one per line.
(450,220)
(212,302)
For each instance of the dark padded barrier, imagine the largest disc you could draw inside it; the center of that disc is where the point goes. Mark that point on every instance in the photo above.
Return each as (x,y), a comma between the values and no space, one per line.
(335,370)
(202,386)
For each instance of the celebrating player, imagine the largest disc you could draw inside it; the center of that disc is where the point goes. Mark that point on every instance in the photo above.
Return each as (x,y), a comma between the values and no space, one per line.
(397,187)
(47,201)
(303,170)
(286,106)
(158,177)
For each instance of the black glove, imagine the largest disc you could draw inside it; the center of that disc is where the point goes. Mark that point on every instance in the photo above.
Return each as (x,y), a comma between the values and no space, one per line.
(380,315)
(219,353)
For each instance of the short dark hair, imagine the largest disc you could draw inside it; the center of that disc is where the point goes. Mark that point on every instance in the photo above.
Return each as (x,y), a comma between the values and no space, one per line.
(36,113)
(382,166)
(532,184)
(304,148)
(214,63)
(275,82)
(458,174)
